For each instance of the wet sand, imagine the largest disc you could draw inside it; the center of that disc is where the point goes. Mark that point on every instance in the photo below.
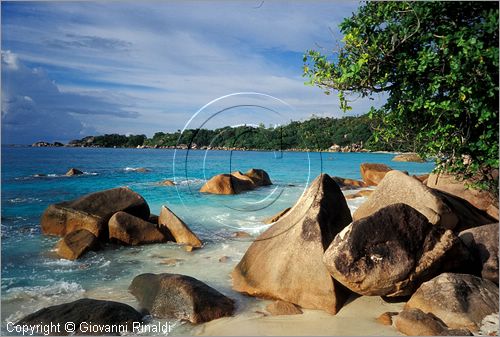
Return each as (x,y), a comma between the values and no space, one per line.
(356,318)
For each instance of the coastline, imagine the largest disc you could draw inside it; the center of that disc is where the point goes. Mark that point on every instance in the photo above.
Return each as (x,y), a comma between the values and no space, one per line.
(210,149)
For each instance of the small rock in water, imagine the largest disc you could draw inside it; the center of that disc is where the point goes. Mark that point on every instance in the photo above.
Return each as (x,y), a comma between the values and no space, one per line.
(73,172)
(171,262)
(241,235)
(167,182)
(224,259)
(141,170)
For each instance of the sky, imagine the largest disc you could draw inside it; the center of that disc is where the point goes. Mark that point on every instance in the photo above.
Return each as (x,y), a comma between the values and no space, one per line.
(73,69)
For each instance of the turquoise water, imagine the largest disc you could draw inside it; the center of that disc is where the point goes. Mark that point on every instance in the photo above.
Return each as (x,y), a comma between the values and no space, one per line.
(32,178)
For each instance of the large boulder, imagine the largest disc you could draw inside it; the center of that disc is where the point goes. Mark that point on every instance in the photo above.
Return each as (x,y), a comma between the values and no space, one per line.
(90,312)
(92,211)
(132,230)
(236,182)
(408,157)
(372,173)
(459,300)
(439,209)
(77,243)
(482,200)
(415,322)
(285,262)
(483,243)
(181,297)
(393,251)
(179,230)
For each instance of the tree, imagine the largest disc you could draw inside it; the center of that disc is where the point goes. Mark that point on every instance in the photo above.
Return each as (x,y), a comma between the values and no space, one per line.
(437,63)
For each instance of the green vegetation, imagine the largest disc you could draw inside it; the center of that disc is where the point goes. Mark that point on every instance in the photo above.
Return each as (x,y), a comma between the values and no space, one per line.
(315,134)
(437,62)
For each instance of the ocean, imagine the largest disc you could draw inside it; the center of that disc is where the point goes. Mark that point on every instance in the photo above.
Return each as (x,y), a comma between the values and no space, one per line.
(34,277)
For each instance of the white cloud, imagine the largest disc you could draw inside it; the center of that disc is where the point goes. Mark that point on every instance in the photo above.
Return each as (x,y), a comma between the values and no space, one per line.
(33,107)
(164,60)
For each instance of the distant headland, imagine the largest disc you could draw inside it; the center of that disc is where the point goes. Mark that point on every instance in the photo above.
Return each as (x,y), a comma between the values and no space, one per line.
(346,134)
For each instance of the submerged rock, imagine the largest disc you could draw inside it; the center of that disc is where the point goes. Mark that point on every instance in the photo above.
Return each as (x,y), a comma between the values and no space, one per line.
(89,312)
(241,235)
(181,297)
(285,262)
(73,172)
(372,174)
(179,230)
(166,182)
(76,244)
(459,300)
(483,243)
(236,182)
(92,211)
(132,230)
(393,251)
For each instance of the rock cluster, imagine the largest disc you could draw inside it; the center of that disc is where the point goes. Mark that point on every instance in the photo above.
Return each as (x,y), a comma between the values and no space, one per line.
(407,240)
(117,215)
(435,247)
(236,182)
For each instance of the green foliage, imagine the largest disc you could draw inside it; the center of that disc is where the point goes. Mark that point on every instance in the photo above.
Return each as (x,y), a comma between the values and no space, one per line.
(437,62)
(313,134)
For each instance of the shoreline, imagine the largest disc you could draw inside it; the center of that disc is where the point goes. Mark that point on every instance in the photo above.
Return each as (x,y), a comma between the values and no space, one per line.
(210,149)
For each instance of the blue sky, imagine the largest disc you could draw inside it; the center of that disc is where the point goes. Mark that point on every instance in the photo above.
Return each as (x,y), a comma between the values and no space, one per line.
(71,69)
